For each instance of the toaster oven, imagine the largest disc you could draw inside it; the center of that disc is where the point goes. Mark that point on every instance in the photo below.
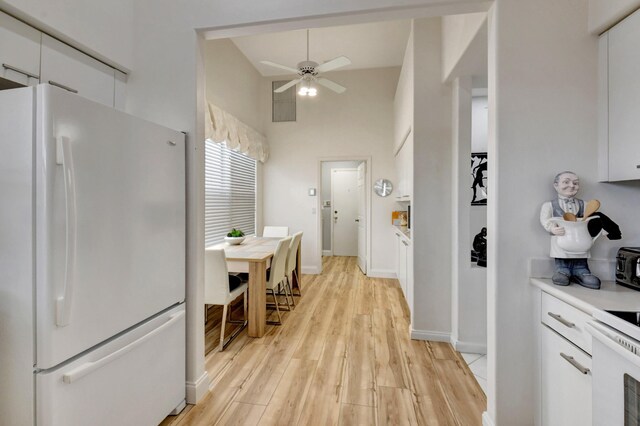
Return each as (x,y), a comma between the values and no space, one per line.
(628,267)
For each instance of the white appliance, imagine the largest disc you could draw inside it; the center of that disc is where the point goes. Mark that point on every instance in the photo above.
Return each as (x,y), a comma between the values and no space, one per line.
(616,368)
(92,254)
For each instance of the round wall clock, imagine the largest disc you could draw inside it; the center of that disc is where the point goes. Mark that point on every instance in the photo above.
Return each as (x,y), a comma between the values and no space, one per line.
(383,187)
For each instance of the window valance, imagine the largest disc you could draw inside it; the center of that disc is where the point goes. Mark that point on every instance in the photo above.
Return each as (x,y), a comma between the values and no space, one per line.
(220,126)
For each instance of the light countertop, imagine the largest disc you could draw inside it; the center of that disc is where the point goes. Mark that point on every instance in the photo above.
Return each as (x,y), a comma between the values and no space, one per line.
(610,297)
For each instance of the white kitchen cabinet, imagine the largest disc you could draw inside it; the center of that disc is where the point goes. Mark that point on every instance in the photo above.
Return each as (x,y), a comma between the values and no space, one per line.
(402,246)
(72,70)
(19,51)
(566,320)
(565,364)
(404,170)
(404,265)
(619,109)
(120,93)
(400,176)
(566,381)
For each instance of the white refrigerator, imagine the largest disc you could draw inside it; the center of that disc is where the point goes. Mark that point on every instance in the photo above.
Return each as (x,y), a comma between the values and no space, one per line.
(92,261)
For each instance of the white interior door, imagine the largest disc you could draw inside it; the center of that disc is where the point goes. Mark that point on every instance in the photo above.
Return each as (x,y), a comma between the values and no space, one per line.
(344,202)
(362,219)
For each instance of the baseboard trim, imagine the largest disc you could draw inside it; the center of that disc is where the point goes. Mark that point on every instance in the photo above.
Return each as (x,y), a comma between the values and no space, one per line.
(382,273)
(469,347)
(327,252)
(312,270)
(434,336)
(487,420)
(198,389)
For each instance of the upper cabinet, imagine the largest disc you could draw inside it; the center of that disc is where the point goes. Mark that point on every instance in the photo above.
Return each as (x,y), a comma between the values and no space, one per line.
(120,93)
(29,57)
(403,123)
(19,51)
(619,109)
(403,100)
(72,70)
(404,169)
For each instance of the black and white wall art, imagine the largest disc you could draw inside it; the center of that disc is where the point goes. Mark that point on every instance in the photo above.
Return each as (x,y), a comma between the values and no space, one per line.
(479,178)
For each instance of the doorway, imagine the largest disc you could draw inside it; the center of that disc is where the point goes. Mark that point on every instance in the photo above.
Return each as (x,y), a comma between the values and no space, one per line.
(344,209)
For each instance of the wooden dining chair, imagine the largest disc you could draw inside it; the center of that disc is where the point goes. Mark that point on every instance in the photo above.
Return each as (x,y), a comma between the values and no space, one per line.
(277,274)
(218,291)
(275,231)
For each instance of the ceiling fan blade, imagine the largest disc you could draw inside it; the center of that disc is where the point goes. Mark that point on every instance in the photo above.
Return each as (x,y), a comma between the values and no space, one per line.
(287,85)
(331,85)
(338,62)
(282,67)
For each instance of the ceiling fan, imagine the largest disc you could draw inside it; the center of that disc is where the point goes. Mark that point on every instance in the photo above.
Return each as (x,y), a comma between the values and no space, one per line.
(309,71)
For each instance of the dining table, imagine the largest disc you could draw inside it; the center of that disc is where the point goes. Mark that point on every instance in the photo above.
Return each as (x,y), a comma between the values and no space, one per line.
(253,256)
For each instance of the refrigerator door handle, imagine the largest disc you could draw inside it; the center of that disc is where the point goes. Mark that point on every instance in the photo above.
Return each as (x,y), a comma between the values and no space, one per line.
(89,367)
(64,157)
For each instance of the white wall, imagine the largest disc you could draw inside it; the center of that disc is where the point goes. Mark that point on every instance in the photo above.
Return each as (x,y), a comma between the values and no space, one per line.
(166,83)
(403,99)
(605,13)
(544,114)
(357,123)
(469,290)
(543,117)
(479,124)
(233,84)
(326,195)
(458,34)
(431,208)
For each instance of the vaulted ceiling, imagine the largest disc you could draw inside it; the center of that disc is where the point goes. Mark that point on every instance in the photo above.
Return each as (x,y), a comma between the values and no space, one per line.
(374,45)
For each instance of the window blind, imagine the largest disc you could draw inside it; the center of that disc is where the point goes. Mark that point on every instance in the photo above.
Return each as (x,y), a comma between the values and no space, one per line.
(230,192)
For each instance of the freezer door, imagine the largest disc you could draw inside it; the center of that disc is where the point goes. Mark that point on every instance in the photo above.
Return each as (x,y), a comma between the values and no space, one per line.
(110,223)
(136,379)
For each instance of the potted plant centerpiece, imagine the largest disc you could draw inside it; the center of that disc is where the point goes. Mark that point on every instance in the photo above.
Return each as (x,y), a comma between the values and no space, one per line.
(235,236)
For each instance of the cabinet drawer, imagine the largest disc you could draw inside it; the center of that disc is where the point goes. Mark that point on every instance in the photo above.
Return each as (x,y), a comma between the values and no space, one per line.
(566,382)
(566,320)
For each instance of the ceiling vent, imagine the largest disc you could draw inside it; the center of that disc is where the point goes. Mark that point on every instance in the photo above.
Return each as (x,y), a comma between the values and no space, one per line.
(283,105)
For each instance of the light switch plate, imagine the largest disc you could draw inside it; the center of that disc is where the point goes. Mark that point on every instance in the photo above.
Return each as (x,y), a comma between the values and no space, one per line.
(312,192)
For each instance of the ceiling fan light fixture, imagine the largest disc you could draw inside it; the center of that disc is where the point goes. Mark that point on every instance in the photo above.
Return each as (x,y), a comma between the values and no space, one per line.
(308,73)
(304,88)
(307,89)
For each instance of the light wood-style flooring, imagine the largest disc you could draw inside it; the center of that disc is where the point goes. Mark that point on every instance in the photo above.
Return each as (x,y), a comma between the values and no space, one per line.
(342,357)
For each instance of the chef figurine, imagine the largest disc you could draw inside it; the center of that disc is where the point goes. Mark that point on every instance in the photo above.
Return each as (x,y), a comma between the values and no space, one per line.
(570,267)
